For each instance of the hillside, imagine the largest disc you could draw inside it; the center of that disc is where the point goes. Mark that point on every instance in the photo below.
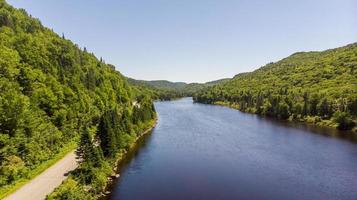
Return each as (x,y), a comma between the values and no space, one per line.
(163,84)
(166,90)
(223,80)
(54,94)
(319,87)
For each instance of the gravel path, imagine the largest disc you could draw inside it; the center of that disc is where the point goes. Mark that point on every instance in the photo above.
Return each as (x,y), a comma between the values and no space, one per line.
(42,185)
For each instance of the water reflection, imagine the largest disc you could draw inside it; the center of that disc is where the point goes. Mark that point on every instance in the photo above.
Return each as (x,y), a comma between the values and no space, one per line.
(212,152)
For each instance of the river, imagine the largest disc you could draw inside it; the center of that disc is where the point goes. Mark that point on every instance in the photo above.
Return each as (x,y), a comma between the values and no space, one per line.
(207,152)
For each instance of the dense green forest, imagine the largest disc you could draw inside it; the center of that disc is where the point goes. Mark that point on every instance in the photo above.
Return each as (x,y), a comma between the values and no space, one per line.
(166,90)
(318,87)
(54,94)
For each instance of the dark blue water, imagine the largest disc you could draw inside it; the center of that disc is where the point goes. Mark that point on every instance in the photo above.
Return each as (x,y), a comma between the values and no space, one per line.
(204,152)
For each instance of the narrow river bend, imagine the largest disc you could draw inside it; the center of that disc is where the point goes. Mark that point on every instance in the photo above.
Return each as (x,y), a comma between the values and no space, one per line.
(206,152)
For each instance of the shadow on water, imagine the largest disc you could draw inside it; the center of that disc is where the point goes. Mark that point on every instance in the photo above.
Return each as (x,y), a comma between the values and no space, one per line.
(140,144)
(305,127)
(312,128)
(193,142)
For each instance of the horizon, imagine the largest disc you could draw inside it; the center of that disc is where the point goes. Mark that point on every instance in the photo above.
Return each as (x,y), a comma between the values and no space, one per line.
(245,71)
(201,41)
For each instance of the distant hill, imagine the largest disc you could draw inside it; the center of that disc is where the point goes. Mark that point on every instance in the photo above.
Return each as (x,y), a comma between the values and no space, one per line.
(210,83)
(160,84)
(166,90)
(319,87)
(166,84)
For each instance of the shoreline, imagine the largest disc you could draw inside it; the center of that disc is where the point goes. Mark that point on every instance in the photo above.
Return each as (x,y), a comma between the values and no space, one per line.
(119,161)
(322,123)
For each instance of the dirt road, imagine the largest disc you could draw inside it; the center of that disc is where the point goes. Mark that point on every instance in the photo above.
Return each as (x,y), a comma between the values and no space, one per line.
(47,181)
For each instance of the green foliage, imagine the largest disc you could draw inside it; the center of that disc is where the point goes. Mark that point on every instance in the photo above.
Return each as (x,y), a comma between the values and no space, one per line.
(90,154)
(70,190)
(12,169)
(53,93)
(301,85)
(166,90)
(343,119)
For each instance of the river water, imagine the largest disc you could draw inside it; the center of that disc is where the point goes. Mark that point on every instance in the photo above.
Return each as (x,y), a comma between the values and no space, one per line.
(207,152)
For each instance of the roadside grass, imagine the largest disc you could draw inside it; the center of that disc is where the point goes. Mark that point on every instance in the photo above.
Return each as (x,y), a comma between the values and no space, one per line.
(71,184)
(7,190)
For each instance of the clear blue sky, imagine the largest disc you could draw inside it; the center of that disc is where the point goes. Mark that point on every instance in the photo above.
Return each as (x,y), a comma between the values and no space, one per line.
(197,40)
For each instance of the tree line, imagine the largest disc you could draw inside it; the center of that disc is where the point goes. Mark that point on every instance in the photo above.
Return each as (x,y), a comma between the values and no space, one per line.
(318,87)
(53,94)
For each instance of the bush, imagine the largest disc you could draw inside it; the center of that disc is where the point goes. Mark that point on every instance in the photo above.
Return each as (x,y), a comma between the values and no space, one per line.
(70,190)
(343,119)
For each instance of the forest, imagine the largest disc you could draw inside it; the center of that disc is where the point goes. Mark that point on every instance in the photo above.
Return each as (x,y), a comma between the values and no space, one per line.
(316,87)
(166,90)
(55,96)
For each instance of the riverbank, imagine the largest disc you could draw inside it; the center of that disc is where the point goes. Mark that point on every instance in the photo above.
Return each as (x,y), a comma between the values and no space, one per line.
(122,155)
(122,158)
(205,152)
(315,120)
(72,188)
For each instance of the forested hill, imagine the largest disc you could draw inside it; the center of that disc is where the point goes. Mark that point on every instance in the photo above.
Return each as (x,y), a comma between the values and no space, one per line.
(163,84)
(319,87)
(51,94)
(166,90)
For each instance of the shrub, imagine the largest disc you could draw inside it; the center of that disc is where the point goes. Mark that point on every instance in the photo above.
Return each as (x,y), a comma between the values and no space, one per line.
(343,119)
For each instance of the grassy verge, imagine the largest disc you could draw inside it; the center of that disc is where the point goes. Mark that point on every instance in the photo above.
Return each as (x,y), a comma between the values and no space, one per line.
(7,190)
(74,188)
